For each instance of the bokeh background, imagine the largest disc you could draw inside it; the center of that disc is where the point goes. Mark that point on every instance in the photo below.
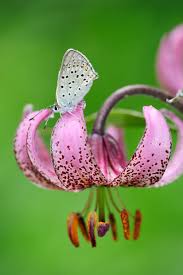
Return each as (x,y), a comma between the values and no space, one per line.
(121,39)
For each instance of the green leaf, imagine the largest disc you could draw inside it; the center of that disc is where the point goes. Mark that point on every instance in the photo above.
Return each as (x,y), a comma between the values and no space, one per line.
(122,118)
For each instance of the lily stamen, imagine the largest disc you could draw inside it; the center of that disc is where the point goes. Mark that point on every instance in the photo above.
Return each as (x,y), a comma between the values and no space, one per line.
(72,226)
(137,224)
(112,221)
(91,223)
(88,204)
(96,219)
(112,201)
(83,227)
(125,222)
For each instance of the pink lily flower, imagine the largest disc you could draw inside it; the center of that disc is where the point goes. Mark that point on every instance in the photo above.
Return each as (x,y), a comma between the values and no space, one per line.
(169,60)
(78,161)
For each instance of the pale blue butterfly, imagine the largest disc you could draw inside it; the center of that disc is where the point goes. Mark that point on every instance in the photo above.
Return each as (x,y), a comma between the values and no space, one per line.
(75,79)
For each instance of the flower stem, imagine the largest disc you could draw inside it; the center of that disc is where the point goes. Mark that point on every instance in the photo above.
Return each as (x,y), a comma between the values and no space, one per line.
(129,91)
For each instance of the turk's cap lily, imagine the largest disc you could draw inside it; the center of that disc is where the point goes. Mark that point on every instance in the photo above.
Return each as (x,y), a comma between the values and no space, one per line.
(169,62)
(77,161)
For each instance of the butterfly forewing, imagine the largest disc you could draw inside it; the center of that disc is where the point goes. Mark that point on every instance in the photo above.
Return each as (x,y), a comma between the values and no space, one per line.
(75,78)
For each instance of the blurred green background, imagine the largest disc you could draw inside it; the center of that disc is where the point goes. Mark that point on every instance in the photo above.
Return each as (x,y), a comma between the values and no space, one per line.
(120,38)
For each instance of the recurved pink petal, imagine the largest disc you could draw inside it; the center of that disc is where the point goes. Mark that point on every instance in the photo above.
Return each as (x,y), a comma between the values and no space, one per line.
(118,136)
(109,152)
(37,151)
(150,160)
(108,155)
(114,157)
(170,60)
(72,157)
(21,154)
(100,154)
(175,165)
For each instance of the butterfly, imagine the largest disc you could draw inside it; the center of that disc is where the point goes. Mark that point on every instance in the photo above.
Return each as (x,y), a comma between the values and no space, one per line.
(75,79)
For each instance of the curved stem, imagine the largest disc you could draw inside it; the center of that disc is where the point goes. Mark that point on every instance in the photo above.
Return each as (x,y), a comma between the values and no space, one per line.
(128,91)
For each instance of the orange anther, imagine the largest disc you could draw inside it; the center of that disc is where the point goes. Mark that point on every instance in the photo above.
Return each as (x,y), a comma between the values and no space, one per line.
(137,224)
(112,222)
(126,225)
(83,227)
(91,223)
(72,226)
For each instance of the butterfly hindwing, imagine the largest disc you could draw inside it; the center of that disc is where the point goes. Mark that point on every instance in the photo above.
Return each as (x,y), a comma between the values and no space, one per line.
(75,78)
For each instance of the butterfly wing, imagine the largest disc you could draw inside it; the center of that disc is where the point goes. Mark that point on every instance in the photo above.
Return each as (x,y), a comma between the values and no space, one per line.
(75,79)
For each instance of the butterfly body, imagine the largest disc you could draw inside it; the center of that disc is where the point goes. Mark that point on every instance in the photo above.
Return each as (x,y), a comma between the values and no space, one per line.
(75,79)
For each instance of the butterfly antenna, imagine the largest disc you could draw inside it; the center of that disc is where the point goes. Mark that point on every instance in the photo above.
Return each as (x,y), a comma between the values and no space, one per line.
(32,118)
(49,107)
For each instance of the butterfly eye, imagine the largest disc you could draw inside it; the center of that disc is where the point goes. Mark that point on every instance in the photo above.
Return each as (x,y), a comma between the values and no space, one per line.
(55,108)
